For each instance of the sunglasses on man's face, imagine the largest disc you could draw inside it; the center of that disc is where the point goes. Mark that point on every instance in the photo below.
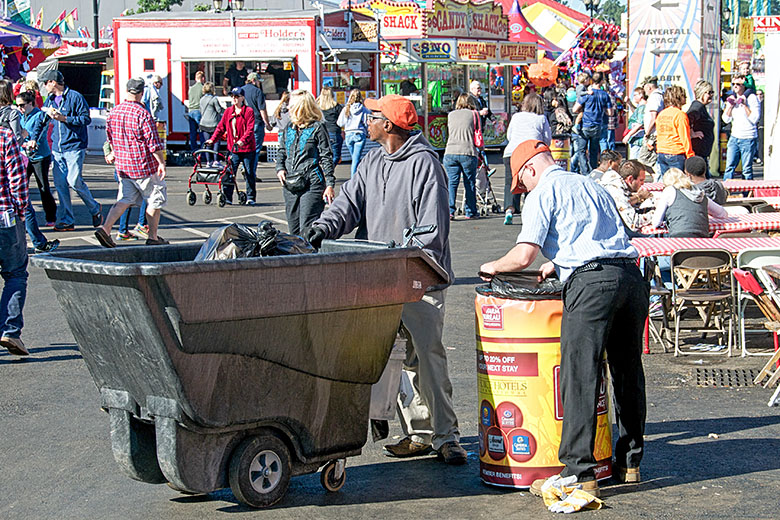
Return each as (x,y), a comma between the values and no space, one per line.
(374,117)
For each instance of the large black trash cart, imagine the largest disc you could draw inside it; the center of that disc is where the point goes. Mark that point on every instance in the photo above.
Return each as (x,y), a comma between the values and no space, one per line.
(238,373)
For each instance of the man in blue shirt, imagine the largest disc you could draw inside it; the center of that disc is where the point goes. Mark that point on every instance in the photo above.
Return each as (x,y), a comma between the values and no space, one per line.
(255,99)
(594,104)
(574,222)
(69,113)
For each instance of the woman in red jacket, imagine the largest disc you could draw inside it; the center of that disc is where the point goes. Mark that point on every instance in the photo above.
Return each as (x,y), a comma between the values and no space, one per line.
(238,127)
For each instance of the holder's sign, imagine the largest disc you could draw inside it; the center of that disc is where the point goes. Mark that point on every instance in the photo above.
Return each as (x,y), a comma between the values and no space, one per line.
(456,19)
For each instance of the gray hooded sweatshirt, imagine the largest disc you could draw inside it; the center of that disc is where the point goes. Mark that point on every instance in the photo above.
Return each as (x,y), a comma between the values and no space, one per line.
(391,192)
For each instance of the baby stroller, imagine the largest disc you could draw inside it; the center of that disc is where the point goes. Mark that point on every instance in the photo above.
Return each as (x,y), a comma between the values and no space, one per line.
(486,199)
(219,174)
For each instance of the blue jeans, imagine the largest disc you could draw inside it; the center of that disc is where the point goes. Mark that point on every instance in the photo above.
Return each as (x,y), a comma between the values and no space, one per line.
(13,268)
(467,164)
(667,160)
(355,143)
(259,138)
(196,136)
(67,174)
(607,139)
(31,225)
(737,149)
(588,149)
(249,159)
(336,142)
(125,218)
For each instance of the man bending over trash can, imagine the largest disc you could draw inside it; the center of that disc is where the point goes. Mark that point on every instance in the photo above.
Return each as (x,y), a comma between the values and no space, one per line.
(398,186)
(575,224)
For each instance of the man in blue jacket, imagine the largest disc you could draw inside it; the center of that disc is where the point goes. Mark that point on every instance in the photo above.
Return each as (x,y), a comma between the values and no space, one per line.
(69,113)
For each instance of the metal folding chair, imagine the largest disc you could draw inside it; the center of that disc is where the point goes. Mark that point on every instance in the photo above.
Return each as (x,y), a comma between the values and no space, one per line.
(701,280)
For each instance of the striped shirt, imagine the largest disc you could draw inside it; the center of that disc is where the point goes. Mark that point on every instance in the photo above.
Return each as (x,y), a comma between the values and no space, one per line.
(13,176)
(133,136)
(574,221)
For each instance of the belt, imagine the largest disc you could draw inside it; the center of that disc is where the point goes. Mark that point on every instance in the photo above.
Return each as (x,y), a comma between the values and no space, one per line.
(598,262)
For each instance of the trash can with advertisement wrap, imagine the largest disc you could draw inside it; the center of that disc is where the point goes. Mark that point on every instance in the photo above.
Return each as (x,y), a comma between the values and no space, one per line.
(518,381)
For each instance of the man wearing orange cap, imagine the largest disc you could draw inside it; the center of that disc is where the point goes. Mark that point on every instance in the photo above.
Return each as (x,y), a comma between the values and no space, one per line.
(573,222)
(397,186)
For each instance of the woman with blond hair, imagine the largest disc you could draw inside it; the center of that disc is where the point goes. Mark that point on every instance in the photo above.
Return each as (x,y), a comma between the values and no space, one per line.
(684,208)
(702,125)
(304,165)
(331,110)
(354,120)
(460,155)
(281,116)
(673,132)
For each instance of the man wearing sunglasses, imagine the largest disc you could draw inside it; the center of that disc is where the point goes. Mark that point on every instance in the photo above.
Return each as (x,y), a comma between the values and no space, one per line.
(742,111)
(573,222)
(398,186)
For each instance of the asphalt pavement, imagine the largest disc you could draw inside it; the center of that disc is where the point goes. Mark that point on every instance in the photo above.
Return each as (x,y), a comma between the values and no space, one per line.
(711,452)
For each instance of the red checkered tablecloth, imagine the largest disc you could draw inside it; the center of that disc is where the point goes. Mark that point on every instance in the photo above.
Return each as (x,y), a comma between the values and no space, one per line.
(749,222)
(733,186)
(666,246)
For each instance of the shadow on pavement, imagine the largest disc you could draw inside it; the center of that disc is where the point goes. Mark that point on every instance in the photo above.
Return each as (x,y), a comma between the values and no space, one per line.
(35,357)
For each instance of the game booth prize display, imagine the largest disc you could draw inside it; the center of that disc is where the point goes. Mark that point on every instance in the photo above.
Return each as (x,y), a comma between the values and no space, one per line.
(289,49)
(431,55)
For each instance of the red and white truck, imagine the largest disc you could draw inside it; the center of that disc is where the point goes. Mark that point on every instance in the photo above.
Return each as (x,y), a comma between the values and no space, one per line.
(304,49)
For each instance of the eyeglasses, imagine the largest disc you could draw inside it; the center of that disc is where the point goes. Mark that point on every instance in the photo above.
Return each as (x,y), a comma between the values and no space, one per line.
(372,117)
(739,82)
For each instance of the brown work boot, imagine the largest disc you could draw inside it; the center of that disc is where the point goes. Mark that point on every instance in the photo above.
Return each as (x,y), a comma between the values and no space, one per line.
(406,447)
(452,453)
(628,475)
(14,345)
(589,486)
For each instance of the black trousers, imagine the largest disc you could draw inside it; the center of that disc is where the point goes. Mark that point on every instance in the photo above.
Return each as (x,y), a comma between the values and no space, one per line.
(303,209)
(40,170)
(604,308)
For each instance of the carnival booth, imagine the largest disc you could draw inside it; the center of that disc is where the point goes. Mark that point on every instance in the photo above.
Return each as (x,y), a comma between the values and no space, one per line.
(432,55)
(295,49)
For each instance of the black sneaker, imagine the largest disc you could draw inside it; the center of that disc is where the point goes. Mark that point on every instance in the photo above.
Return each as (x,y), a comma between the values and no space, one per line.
(48,247)
(64,227)
(97,218)
(159,241)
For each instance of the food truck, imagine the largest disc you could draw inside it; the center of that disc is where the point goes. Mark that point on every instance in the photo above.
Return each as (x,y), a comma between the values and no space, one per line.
(296,49)
(432,54)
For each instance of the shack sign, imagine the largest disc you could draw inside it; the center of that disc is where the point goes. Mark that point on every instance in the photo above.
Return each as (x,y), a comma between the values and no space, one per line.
(466,19)
(766,24)
(400,20)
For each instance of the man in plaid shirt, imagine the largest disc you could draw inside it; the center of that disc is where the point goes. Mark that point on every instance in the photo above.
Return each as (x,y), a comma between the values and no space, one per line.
(13,243)
(140,164)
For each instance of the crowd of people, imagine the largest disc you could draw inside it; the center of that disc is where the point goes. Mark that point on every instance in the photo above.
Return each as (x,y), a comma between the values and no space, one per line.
(582,221)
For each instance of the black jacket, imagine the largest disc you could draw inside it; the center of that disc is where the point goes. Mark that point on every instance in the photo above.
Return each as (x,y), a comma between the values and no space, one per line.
(331,117)
(306,152)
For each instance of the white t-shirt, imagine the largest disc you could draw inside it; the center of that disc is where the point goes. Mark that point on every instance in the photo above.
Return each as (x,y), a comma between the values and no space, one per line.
(655,103)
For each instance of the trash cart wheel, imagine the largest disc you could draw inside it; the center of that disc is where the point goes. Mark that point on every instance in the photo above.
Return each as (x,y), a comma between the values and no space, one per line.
(221,200)
(260,470)
(207,197)
(328,477)
(191,198)
(242,197)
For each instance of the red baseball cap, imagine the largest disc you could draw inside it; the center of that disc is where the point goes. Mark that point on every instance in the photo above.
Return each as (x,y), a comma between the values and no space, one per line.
(524,152)
(399,110)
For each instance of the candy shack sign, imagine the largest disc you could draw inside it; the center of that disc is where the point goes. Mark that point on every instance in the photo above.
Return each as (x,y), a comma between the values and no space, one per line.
(399,20)
(456,19)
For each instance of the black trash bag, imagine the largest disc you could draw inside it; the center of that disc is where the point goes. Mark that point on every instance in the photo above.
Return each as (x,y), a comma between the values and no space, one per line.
(241,241)
(228,242)
(275,243)
(522,286)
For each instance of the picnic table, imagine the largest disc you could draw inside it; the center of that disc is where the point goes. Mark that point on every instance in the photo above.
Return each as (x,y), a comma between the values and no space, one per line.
(772,201)
(747,222)
(665,246)
(732,185)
